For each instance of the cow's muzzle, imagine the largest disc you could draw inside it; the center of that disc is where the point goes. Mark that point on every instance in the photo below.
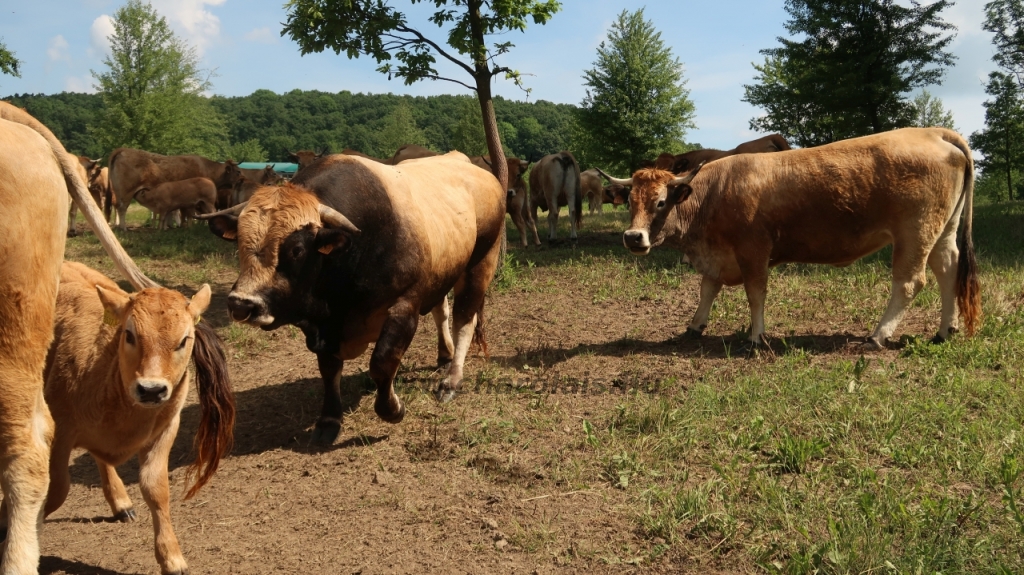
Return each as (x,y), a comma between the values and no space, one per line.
(150,392)
(637,242)
(248,309)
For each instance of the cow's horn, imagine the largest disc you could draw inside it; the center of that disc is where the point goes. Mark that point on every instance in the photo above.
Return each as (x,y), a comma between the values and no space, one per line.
(688,177)
(235,209)
(618,181)
(335,219)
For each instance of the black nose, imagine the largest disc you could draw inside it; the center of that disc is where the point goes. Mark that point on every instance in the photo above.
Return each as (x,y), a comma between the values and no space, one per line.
(633,238)
(151,393)
(242,309)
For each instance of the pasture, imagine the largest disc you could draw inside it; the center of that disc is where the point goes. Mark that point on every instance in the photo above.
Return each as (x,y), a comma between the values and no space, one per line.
(597,439)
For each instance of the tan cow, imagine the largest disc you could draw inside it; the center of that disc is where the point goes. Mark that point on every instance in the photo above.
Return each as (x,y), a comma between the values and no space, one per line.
(134,170)
(305,158)
(555,182)
(592,188)
(117,378)
(244,187)
(354,252)
(410,152)
(517,202)
(690,160)
(832,204)
(197,194)
(99,187)
(36,176)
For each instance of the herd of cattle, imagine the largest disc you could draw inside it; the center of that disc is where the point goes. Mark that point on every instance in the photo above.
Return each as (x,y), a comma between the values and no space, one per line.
(354,250)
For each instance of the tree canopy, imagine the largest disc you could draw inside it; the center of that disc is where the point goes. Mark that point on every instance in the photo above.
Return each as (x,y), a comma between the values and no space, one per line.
(929,112)
(152,89)
(849,69)
(374,28)
(8,63)
(636,105)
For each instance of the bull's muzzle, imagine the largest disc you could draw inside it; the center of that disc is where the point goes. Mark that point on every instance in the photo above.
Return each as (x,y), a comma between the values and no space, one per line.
(637,242)
(248,309)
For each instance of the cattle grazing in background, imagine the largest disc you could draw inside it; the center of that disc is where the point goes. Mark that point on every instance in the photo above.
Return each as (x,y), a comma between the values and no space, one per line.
(99,187)
(194,195)
(245,187)
(690,160)
(832,204)
(517,202)
(85,169)
(36,177)
(354,252)
(116,380)
(592,189)
(132,171)
(305,158)
(411,152)
(555,182)
(351,152)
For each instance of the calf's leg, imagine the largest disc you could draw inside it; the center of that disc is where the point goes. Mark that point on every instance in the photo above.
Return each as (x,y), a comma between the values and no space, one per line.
(155,490)
(709,289)
(908,278)
(395,337)
(114,492)
(943,263)
(755,282)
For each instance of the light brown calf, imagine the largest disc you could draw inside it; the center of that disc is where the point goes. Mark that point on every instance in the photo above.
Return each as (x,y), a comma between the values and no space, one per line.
(517,203)
(591,186)
(36,176)
(116,380)
(187,194)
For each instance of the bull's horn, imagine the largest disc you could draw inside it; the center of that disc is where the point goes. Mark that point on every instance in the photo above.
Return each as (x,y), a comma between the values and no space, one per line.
(618,181)
(688,177)
(335,219)
(235,209)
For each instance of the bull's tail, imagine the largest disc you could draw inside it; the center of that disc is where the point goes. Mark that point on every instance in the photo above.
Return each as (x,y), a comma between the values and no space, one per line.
(569,165)
(479,335)
(217,403)
(80,195)
(968,287)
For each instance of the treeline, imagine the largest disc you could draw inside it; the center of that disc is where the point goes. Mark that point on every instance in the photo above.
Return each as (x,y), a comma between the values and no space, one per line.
(264,125)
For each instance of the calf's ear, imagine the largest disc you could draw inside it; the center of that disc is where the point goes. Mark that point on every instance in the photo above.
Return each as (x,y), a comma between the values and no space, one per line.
(115,305)
(199,302)
(225,227)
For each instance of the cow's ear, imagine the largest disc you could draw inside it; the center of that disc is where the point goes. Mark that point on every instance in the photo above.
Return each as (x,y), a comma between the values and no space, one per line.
(225,227)
(678,194)
(114,306)
(329,239)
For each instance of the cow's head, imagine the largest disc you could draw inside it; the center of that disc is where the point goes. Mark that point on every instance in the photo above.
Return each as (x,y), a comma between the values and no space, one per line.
(230,176)
(305,157)
(516,183)
(269,176)
(655,193)
(157,334)
(283,234)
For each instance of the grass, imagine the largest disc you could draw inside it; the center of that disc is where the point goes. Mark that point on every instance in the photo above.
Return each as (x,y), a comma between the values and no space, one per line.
(800,461)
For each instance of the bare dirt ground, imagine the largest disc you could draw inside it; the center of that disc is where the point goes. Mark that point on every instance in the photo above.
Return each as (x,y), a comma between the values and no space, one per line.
(496,482)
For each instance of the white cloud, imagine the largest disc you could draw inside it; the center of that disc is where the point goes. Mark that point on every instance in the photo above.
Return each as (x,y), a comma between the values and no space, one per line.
(261,35)
(192,20)
(58,49)
(79,84)
(100,31)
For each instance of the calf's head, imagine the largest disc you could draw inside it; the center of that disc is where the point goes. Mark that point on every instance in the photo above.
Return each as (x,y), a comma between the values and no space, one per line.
(655,193)
(157,336)
(283,234)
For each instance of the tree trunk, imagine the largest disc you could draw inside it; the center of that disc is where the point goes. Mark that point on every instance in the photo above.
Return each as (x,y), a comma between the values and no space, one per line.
(499,166)
(1009,169)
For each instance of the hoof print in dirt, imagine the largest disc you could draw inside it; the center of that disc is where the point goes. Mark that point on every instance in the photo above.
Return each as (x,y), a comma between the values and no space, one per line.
(126,516)
(325,432)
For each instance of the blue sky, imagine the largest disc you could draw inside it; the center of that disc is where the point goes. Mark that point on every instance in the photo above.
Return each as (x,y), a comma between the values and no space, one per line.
(59,42)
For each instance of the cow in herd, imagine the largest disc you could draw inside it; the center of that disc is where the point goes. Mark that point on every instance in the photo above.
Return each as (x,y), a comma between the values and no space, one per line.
(190,196)
(739,216)
(555,182)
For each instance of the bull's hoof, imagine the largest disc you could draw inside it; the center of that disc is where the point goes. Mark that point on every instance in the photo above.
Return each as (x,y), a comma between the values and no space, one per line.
(326,432)
(444,394)
(388,413)
(126,515)
(871,344)
(691,333)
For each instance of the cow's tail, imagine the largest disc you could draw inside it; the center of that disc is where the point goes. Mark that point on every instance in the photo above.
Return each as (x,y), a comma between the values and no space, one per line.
(569,165)
(215,435)
(479,333)
(968,287)
(80,195)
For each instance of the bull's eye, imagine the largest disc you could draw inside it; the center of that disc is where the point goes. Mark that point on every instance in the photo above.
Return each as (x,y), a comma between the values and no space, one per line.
(181,345)
(129,337)
(297,252)
(661,204)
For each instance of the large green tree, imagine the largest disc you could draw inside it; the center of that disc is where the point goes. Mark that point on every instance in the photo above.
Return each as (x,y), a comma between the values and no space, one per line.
(849,68)
(398,130)
(153,88)
(929,112)
(376,29)
(8,63)
(1002,140)
(1005,20)
(636,104)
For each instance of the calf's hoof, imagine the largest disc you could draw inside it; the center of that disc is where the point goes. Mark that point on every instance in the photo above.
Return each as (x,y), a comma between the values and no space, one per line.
(444,394)
(325,432)
(872,344)
(389,413)
(691,333)
(126,515)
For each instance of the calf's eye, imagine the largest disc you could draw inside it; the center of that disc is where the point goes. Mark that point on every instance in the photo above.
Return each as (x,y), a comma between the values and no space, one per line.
(181,345)
(129,338)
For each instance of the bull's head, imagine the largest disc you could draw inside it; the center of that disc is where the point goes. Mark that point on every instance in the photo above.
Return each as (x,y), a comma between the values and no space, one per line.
(283,234)
(655,193)
(157,334)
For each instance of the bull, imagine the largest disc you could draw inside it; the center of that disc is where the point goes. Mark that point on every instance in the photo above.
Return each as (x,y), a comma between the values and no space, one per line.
(353,252)
(832,204)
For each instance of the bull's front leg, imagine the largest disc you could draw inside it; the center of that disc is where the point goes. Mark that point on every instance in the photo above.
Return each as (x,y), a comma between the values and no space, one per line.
(156,491)
(394,340)
(328,427)
(709,288)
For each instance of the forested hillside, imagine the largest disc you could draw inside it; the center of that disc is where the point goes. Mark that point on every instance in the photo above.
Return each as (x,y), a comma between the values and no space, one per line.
(370,123)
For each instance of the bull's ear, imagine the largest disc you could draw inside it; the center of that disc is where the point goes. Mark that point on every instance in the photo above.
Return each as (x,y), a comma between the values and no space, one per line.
(225,227)
(678,194)
(329,239)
